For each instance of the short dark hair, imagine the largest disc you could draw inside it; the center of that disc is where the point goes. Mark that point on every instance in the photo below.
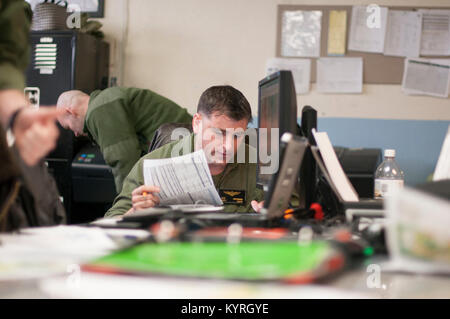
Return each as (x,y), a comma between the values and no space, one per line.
(225,100)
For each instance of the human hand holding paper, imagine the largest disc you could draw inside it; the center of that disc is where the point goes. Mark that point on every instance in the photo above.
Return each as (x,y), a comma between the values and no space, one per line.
(182,180)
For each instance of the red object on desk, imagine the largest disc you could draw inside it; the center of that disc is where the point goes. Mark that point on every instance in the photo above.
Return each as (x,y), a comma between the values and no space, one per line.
(248,232)
(318,211)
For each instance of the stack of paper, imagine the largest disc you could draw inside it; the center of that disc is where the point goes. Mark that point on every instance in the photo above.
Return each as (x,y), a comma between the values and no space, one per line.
(417,234)
(43,251)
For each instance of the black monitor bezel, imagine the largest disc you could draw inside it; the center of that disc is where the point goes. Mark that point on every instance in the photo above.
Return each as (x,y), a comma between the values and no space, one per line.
(287,95)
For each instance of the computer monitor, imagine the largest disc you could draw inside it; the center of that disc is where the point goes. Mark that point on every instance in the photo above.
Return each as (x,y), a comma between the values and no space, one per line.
(282,184)
(277,109)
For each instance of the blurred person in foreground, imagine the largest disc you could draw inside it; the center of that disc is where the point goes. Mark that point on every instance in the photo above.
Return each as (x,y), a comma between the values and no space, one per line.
(28,194)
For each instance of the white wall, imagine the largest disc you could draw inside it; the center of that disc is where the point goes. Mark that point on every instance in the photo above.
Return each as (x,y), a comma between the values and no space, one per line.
(181,47)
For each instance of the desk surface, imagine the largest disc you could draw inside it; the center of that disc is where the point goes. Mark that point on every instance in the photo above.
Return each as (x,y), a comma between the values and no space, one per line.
(361,282)
(352,284)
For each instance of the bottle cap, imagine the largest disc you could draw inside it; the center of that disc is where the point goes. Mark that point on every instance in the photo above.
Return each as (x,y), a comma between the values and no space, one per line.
(389,153)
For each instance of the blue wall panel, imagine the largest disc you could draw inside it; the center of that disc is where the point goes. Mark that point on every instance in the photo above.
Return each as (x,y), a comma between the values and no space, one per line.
(418,143)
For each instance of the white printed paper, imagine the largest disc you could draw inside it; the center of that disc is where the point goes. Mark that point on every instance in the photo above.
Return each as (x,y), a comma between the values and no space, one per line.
(40,252)
(403,32)
(417,234)
(427,77)
(339,75)
(182,180)
(368,28)
(437,61)
(300,33)
(334,168)
(435,38)
(442,170)
(300,68)
(442,61)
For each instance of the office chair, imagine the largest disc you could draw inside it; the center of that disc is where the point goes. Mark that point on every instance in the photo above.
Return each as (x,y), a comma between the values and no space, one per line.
(163,134)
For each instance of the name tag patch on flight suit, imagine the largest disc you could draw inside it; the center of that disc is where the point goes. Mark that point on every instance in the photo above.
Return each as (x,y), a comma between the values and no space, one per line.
(234,197)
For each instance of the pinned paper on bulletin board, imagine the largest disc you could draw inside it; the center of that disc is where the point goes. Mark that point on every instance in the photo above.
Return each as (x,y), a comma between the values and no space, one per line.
(337,32)
(340,75)
(368,28)
(426,77)
(435,32)
(300,36)
(403,33)
(300,68)
(383,49)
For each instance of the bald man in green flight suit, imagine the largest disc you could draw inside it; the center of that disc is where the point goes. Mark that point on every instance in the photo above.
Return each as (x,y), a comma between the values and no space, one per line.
(122,121)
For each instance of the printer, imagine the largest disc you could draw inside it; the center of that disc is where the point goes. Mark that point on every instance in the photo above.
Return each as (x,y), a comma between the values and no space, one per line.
(93,188)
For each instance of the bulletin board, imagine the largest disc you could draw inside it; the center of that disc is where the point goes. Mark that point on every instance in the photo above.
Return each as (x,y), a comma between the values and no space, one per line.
(377,68)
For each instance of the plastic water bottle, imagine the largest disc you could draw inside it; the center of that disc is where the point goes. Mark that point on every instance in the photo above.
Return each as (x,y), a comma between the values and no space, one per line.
(388,176)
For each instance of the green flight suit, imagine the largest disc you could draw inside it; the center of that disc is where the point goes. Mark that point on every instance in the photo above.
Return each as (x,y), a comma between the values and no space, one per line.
(15,19)
(122,121)
(237,177)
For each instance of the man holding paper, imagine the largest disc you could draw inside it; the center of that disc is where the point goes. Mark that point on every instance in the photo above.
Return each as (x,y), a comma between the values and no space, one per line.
(219,129)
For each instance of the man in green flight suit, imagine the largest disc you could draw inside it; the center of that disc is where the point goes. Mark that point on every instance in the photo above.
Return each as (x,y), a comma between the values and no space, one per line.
(219,128)
(122,121)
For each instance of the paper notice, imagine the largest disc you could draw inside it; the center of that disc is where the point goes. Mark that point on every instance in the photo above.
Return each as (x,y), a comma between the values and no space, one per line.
(403,32)
(339,75)
(300,33)
(422,76)
(368,28)
(300,68)
(435,38)
(337,32)
(182,180)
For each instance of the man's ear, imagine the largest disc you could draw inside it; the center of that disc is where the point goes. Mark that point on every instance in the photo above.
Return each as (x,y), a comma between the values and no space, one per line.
(69,110)
(197,123)
(66,113)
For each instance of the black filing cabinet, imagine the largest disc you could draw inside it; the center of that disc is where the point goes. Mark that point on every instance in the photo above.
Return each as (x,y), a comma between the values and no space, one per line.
(62,61)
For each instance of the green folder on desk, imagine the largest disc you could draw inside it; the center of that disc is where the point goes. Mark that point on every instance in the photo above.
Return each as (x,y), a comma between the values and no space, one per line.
(254,261)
